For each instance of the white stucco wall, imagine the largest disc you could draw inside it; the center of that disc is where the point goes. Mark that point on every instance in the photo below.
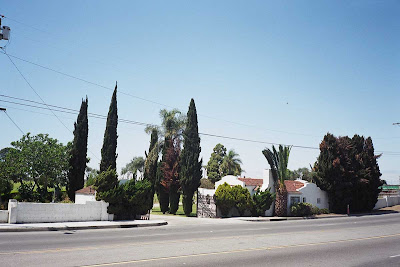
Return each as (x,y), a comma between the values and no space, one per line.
(311,192)
(268,182)
(231,180)
(387,201)
(83,198)
(26,212)
(3,216)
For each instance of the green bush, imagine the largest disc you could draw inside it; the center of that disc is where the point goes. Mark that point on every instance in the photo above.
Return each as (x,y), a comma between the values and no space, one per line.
(262,201)
(242,199)
(324,211)
(301,209)
(206,183)
(224,199)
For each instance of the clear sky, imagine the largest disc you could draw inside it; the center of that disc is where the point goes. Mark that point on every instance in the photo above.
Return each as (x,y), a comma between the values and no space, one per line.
(283,72)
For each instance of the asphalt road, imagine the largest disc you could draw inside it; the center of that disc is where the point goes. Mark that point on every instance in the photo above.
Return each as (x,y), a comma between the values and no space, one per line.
(354,241)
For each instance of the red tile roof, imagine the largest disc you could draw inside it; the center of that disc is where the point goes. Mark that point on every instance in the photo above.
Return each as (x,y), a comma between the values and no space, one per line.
(86,191)
(291,186)
(251,181)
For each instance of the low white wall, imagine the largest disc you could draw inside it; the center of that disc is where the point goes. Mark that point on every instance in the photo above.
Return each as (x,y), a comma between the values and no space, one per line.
(26,212)
(3,216)
(387,201)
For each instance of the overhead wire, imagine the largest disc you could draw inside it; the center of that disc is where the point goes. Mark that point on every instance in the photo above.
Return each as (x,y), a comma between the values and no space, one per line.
(16,125)
(99,116)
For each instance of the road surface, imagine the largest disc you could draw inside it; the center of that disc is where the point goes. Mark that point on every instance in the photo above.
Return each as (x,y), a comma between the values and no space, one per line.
(351,241)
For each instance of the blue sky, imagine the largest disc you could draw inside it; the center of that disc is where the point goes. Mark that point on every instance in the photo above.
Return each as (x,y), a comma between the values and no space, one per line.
(283,72)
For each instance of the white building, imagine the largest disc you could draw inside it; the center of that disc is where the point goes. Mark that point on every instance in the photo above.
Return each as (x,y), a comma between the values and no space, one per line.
(85,194)
(298,191)
(303,191)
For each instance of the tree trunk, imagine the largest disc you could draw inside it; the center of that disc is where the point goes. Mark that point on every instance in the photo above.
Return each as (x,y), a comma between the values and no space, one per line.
(281,201)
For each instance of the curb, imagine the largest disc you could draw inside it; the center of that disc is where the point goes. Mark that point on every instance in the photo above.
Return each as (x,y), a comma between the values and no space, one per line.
(71,228)
(276,219)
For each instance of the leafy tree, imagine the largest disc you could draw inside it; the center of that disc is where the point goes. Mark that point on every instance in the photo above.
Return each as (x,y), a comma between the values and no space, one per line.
(224,199)
(173,123)
(262,201)
(78,153)
(347,169)
(5,182)
(214,164)
(231,164)
(136,164)
(108,152)
(278,161)
(38,162)
(170,170)
(190,170)
(302,173)
(151,163)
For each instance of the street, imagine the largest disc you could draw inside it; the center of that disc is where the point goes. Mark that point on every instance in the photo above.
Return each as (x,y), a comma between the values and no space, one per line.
(349,241)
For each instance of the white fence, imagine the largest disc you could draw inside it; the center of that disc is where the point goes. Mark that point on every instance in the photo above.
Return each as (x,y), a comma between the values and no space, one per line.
(387,201)
(3,216)
(27,212)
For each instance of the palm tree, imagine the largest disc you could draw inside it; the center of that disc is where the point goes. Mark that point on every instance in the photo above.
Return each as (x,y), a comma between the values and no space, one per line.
(278,161)
(231,164)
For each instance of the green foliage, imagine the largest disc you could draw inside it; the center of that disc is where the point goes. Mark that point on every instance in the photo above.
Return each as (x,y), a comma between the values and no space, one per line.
(6,184)
(136,164)
(190,165)
(38,163)
(108,152)
(214,164)
(302,209)
(262,201)
(91,175)
(127,200)
(347,169)
(243,200)
(278,161)
(303,173)
(206,183)
(105,184)
(78,153)
(224,199)
(231,164)
(150,166)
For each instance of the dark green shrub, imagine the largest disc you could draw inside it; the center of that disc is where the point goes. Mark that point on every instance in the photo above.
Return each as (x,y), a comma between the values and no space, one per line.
(301,209)
(206,183)
(224,199)
(324,211)
(262,201)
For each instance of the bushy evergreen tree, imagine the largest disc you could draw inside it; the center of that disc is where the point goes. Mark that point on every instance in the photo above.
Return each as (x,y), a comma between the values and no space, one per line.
(78,153)
(347,169)
(190,170)
(108,152)
(150,166)
(214,164)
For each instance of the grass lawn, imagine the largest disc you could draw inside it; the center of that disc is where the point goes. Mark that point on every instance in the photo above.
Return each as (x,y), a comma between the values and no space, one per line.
(157,210)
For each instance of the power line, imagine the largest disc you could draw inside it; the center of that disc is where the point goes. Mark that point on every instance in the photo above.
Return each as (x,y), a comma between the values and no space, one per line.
(148,100)
(16,125)
(26,80)
(98,116)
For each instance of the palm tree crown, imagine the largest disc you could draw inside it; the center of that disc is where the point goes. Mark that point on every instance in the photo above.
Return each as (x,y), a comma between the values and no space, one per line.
(278,161)
(231,164)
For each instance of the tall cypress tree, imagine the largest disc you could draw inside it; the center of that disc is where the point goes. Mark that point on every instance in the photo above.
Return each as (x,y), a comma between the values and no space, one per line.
(108,152)
(150,166)
(190,173)
(78,153)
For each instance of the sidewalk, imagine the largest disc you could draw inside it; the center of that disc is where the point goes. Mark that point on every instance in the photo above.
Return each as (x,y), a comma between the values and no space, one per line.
(28,227)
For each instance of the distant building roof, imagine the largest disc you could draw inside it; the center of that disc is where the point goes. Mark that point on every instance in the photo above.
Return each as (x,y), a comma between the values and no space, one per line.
(292,186)
(251,181)
(89,190)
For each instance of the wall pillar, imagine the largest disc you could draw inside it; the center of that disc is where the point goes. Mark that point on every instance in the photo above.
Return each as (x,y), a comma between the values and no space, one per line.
(12,210)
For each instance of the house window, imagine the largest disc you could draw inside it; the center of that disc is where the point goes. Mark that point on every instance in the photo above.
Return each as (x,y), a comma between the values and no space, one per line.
(304,199)
(294,200)
(318,201)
